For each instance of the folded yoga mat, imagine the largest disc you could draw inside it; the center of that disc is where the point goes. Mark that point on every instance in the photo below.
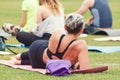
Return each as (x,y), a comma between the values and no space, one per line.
(108,32)
(104,49)
(44,71)
(114,38)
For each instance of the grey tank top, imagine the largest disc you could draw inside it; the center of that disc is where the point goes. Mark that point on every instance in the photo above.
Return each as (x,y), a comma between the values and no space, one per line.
(102,14)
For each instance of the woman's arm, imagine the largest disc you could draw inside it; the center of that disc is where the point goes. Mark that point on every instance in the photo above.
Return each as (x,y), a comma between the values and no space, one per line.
(90,20)
(23,19)
(85,6)
(40,11)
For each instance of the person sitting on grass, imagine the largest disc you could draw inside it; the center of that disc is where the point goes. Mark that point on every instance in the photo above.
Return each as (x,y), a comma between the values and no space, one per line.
(101,15)
(50,15)
(28,19)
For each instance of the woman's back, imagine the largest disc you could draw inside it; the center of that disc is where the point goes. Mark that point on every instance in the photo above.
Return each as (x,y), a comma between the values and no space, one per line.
(73,48)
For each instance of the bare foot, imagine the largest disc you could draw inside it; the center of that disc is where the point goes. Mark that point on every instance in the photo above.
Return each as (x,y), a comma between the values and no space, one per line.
(18,56)
(13,60)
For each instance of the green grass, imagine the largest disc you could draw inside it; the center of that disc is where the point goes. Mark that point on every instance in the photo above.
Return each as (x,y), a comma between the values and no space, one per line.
(10,11)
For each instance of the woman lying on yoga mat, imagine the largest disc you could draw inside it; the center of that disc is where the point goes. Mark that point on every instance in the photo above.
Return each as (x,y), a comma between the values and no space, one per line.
(60,46)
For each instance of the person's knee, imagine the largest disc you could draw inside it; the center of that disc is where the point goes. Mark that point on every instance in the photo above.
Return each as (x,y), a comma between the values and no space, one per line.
(18,35)
(35,46)
(38,43)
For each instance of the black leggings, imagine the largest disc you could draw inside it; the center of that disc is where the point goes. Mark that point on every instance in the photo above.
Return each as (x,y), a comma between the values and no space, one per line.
(35,54)
(27,38)
(25,58)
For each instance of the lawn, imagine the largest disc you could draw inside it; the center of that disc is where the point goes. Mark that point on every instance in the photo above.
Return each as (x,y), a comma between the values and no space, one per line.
(10,11)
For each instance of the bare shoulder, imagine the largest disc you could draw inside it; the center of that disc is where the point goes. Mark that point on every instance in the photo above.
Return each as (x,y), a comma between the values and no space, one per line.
(81,41)
(57,31)
(56,34)
(41,8)
(79,44)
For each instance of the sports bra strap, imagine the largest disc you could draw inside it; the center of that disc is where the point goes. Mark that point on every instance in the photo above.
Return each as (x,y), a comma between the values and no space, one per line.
(59,43)
(58,54)
(68,46)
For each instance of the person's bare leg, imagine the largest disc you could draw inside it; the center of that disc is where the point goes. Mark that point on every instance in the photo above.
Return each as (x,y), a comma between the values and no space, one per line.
(83,57)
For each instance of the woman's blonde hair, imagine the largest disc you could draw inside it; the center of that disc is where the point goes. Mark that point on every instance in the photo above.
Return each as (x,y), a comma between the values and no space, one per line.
(53,5)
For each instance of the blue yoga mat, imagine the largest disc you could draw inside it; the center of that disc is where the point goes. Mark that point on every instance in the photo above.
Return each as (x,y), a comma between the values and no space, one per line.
(104,49)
